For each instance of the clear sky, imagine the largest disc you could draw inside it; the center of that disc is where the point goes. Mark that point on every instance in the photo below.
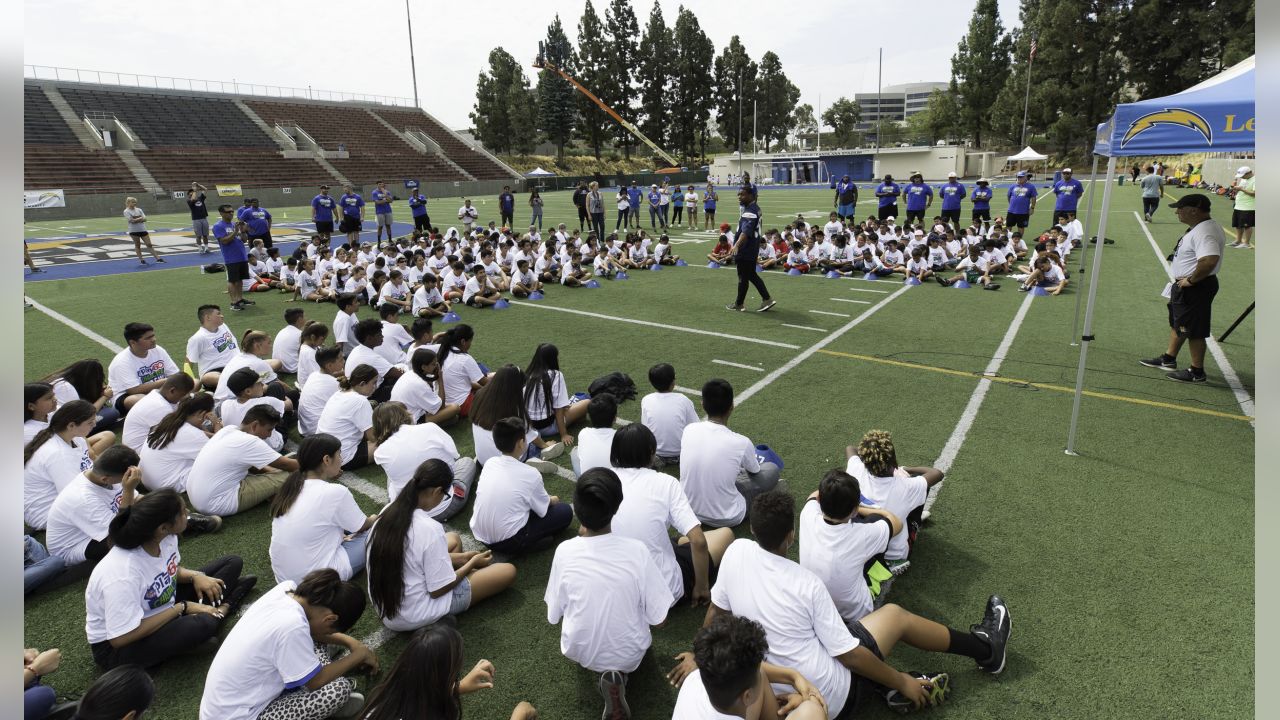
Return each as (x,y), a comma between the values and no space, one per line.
(828,48)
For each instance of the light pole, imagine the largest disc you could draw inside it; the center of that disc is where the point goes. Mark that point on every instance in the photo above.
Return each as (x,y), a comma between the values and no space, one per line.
(413,66)
(739,120)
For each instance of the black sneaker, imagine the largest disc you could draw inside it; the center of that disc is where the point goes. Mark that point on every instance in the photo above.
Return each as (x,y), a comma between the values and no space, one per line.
(236,597)
(613,687)
(739,308)
(933,697)
(247,301)
(1188,375)
(1161,362)
(198,524)
(990,287)
(943,282)
(159,259)
(236,306)
(766,305)
(995,628)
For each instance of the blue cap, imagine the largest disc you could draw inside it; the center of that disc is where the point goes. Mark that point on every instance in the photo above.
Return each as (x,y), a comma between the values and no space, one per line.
(1022,173)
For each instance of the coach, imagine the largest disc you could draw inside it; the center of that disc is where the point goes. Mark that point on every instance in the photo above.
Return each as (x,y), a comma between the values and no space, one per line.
(234,254)
(1195,262)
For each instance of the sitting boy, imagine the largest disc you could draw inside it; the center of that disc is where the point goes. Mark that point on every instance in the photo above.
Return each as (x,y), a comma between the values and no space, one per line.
(667,413)
(596,442)
(718,467)
(513,514)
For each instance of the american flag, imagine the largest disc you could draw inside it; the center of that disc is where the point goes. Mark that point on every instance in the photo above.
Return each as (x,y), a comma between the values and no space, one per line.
(1033,48)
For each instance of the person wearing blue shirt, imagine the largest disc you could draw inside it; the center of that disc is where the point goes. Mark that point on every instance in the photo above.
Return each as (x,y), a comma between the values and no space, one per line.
(258,220)
(352,215)
(507,207)
(382,211)
(235,257)
(633,199)
(919,199)
(846,199)
(418,206)
(677,202)
(1022,202)
(982,203)
(709,199)
(888,192)
(322,209)
(245,208)
(655,208)
(746,250)
(1068,190)
(952,193)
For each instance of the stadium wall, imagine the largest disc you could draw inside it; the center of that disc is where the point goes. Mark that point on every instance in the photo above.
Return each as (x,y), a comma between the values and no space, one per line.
(934,162)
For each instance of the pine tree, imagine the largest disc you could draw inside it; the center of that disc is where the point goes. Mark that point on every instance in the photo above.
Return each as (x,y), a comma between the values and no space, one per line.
(978,68)
(522,111)
(492,112)
(695,54)
(843,117)
(592,71)
(776,96)
(618,92)
(656,77)
(556,105)
(734,65)
(1172,45)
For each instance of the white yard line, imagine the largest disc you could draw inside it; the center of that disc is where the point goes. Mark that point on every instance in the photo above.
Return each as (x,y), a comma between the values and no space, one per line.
(832,314)
(803,327)
(364,487)
(738,365)
(688,391)
(1228,373)
(677,328)
(809,351)
(878,292)
(76,326)
(856,302)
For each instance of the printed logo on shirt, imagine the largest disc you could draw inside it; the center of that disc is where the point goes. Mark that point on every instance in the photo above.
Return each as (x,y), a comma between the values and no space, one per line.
(115,502)
(151,373)
(224,342)
(86,462)
(162,588)
(1020,191)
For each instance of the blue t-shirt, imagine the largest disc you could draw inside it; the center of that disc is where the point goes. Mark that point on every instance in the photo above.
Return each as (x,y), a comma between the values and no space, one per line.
(241,211)
(633,197)
(678,199)
(351,204)
(952,193)
(418,205)
(709,200)
(847,192)
(1020,198)
(654,198)
(982,198)
(232,251)
(918,196)
(507,203)
(382,201)
(749,224)
(322,207)
(258,221)
(1068,192)
(887,200)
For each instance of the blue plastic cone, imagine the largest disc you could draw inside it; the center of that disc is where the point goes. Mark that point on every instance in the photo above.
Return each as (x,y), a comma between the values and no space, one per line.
(713,265)
(655,267)
(833,275)
(794,271)
(536,295)
(681,263)
(501,305)
(911,281)
(450,317)
(1039,291)
(962,284)
(870,276)
(592,284)
(621,276)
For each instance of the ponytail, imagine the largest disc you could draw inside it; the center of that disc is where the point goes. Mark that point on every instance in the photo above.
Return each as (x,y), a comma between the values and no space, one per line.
(386,546)
(166,431)
(422,356)
(72,413)
(311,454)
(324,588)
(138,523)
(451,338)
(360,375)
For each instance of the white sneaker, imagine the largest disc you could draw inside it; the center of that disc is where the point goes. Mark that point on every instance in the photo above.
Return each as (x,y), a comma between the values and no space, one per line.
(552,451)
(542,466)
(352,708)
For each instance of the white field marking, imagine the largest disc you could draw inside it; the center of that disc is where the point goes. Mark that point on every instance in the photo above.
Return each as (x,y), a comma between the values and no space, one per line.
(619,422)
(76,326)
(1219,357)
(677,328)
(956,441)
(378,637)
(804,327)
(364,487)
(823,213)
(858,302)
(832,314)
(878,292)
(688,391)
(738,365)
(808,352)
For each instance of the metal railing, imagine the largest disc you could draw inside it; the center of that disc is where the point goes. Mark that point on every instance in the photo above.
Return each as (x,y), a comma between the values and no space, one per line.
(234,87)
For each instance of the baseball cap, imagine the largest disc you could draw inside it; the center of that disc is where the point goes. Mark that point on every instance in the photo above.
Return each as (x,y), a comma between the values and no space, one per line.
(1195,200)
(982,181)
(324,187)
(952,174)
(1066,170)
(724,226)
(1022,173)
(242,380)
(889,219)
(1244,170)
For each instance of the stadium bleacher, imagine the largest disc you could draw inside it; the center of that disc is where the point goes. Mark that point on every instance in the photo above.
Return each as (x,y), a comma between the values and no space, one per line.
(171,120)
(479,165)
(52,154)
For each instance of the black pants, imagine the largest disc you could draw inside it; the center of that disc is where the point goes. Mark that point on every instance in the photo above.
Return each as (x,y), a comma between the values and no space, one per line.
(422,222)
(507,219)
(264,237)
(622,219)
(1150,205)
(597,225)
(178,634)
(747,274)
(554,522)
(675,215)
(887,211)
(583,219)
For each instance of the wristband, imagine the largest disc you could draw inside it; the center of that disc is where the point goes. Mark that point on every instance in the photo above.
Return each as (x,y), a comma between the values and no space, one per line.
(183,611)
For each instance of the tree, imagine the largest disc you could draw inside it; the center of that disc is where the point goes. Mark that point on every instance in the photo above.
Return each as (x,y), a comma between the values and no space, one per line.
(502,94)
(1234,20)
(592,71)
(1171,46)
(522,109)
(556,105)
(804,121)
(618,92)
(694,56)
(656,47)
(843,117)
(735,81)
(978,68)
(776,96)
(938,121)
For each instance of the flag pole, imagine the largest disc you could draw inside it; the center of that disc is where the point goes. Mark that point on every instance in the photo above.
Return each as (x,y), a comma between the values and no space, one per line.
(1026,100)
(413,65)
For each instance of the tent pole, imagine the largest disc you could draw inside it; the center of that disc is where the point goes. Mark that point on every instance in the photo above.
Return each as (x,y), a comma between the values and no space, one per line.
(1084,250)
(1089,308)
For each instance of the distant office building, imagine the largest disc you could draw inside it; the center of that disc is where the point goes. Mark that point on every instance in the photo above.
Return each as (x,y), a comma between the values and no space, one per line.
(895,102)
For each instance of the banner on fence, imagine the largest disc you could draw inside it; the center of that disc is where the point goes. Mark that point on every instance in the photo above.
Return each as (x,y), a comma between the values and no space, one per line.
(229,190)
(43,199)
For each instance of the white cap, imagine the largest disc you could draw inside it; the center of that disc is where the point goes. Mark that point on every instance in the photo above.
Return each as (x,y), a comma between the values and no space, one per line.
(983,180)
(889,219)
(952,174)
(1066,170)
(1244,171)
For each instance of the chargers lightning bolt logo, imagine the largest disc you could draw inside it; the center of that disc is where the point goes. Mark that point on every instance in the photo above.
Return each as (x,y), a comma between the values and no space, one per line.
(1168,116)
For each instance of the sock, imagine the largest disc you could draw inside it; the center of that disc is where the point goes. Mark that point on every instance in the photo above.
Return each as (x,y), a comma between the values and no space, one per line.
(969,645)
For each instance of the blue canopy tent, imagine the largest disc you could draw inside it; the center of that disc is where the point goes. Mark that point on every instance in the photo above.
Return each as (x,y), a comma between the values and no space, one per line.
(1215,116)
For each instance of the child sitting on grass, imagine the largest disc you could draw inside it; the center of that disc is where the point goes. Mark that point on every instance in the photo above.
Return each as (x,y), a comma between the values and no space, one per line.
(721,254)
(638,256)
(796,258)
(917,267)
(903,491)
(523,281)
(973,269)
(596,442)
(666,412)
(1045,275)
(454,282)
(480,291)
(573,274)
(427,301)
(662,252)
(309,285)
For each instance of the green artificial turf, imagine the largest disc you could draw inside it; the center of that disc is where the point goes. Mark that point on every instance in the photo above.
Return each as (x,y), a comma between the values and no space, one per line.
(1128,568)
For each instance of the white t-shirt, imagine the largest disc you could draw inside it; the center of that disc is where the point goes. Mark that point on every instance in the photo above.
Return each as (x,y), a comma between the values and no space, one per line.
(485,449)
(365,355)
(418,395)
(394,341)
(460,370)
(344,329)
(212,350)
(712,457)
(213,485)
(31,428)
(169,466)
(427,567)
(82,512)
(651,503)
(898,495)
(50,469)
(143,417)
(804,629)
(346,416)
(311,402)
(306,364)
(667,414)
(595,448)
(1203,240)
(129,586)
(507,491)
(309,536)
(606,593)
(537,405)
(232,412)
(400,455)
(287,346)
(837,554)
(473,288)
(243,360)
(128,370)
(425,298)
(269,649)
(692,702)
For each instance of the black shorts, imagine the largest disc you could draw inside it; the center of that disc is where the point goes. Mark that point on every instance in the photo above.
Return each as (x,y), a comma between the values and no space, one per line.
(1019,220)
(859,687)
(237,271)
(887,211)
(421,222)
(349,225)
(684,558)
(119,404)
(951,216)
(982,214)
(264,237)
(1190,309)
(1241,218)
(324,226)
(139,235)
(914,215)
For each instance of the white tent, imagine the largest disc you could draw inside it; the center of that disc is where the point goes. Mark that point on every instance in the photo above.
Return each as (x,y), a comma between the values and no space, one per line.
(1027,155)
(539,172)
